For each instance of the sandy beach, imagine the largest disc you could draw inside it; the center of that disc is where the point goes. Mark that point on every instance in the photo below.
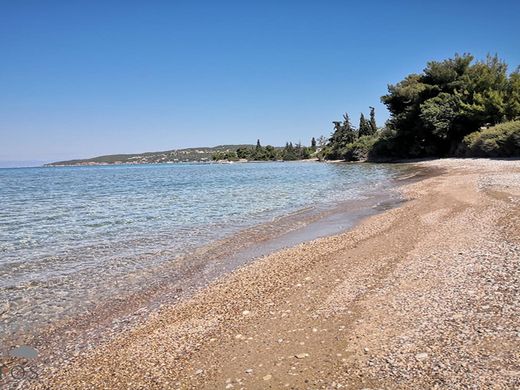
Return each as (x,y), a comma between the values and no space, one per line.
(425,295)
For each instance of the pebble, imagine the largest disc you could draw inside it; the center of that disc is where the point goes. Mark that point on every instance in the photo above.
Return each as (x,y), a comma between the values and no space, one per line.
(301,355)
(267,377)
(421,356)
(4,307)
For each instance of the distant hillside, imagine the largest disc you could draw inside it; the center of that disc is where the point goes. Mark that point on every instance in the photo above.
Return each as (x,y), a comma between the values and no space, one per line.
(170,156)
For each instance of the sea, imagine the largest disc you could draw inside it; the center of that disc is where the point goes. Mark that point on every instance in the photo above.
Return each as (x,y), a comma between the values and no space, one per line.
(76,238)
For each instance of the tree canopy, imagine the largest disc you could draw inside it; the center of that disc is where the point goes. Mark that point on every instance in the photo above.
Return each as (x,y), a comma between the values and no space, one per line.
(433,111)
(431,114)
(268,153)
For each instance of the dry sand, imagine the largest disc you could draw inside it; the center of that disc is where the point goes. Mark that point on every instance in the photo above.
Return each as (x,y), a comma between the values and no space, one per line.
(422,296)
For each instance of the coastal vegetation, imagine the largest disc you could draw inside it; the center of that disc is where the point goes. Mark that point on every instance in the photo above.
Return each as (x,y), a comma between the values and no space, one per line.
(239,152)
(290,152)
(502,140)
(454,107)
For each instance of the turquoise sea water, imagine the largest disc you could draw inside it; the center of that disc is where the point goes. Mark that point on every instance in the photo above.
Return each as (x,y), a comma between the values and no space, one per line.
(70,236)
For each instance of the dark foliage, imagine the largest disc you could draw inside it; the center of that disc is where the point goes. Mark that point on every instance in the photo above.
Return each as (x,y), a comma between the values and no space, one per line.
(433,111)
(502,140)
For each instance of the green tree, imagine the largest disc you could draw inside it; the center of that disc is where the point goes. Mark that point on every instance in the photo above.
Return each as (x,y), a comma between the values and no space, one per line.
(289,152)
(343,134)
(438,115)
(513,96)
(373,124)
(244,153)
(271,153)
(229,155)
(431,112)
(364,126)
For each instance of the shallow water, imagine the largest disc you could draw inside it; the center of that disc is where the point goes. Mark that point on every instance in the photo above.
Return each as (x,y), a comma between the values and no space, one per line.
(71,237)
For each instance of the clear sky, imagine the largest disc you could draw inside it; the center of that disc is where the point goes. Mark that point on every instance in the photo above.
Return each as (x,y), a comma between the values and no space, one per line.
(84,78)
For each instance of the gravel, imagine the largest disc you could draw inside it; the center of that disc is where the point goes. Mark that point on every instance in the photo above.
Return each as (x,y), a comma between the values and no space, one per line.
(425,295)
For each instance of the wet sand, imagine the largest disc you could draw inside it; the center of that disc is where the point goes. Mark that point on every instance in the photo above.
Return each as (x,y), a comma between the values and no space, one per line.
(423,295)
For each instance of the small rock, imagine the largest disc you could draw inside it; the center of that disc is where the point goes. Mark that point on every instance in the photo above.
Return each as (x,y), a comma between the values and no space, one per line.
(246,312)
(249,371)
(199,371)
(267,377)
(301,355)
(4,306)
(421,356)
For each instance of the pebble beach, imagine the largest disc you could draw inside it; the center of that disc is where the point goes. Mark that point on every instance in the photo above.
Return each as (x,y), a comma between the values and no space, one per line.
(424,295)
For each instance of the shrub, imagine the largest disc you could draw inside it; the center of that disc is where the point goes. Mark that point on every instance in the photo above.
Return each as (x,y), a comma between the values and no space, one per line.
(230,155)
(359,149)
(502,140)
(387,147)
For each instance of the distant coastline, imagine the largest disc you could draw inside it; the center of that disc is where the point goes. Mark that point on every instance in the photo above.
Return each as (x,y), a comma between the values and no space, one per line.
(198,154)
(219,154)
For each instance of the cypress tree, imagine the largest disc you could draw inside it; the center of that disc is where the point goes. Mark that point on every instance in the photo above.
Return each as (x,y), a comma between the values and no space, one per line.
(364,126)
(343,135)
(348,132)
(372,122)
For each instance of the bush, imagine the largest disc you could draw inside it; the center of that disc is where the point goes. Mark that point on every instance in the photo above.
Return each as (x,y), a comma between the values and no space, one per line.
(502,140)
(225,156)
(359,149)
(388,147)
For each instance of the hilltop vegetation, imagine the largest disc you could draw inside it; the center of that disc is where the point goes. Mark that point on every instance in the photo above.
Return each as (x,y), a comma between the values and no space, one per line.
(203,154)
(434,113)
(178,155)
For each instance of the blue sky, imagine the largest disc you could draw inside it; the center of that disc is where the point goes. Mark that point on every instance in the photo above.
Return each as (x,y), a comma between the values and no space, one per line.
(84,78)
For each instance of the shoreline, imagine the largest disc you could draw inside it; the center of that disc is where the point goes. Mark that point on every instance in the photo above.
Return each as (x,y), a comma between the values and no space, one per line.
(74,335)
(298,317)
(244,161)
